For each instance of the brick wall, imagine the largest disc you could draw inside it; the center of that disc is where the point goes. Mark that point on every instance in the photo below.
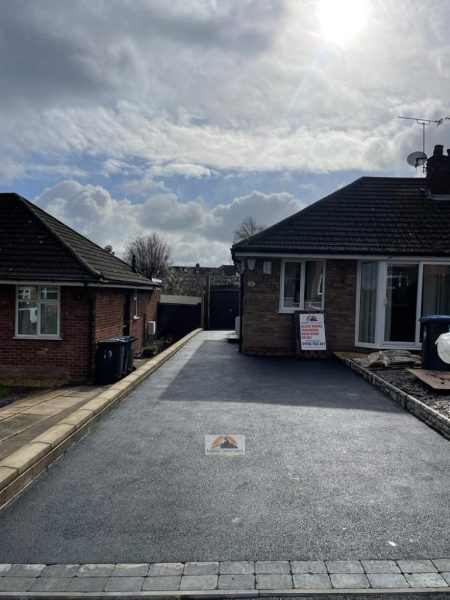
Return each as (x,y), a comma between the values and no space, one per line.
(267,332)
(51,362)
(340,304)
(45,361)
(108,314)
(264,329)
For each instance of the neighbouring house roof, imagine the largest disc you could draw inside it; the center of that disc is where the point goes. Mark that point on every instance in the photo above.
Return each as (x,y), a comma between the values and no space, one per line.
(371,216)
(34,246)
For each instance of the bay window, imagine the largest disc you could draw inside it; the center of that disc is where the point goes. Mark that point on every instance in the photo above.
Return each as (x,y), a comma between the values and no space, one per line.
(38,311)
(302,285)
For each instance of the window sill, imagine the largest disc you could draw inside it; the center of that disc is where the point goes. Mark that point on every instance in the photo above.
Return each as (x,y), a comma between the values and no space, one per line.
(38,338)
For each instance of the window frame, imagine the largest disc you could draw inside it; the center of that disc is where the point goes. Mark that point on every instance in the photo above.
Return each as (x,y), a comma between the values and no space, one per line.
(380,342)
(292,309)
(39,302)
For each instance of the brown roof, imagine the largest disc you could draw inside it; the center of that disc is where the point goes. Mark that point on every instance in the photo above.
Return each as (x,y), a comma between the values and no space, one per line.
(35,246)
(371,216)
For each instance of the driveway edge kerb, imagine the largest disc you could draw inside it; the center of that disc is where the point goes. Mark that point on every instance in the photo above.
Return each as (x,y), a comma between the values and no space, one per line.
(155,595)
(428,415)
(22,467)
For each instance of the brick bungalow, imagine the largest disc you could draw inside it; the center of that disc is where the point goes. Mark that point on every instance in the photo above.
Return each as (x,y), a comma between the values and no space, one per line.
(374,256)
(59,295)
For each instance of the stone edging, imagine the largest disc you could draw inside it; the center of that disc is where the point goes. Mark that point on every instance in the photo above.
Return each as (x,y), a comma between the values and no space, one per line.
(20,468)
(425,413)
(248,579)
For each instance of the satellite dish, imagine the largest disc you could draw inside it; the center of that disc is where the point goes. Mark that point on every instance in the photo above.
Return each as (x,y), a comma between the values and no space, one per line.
(415,159)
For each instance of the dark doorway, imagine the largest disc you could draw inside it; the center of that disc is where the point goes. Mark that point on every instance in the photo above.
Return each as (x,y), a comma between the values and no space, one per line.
(223,308)
(177,320)
(126,313)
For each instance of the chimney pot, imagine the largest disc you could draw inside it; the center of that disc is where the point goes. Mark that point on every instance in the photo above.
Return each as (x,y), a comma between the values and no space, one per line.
(438,150)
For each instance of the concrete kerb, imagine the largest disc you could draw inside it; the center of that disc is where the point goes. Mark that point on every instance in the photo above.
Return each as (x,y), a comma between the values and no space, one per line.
(19,469)
(185,595)
(428,415)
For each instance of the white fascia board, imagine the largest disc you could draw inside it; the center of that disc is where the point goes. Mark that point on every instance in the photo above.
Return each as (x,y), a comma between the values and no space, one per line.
(402,258)
(39,282)
(125,286)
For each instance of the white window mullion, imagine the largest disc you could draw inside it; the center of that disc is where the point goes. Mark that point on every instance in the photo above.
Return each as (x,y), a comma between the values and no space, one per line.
(381,304)
(302,285)
(419,302)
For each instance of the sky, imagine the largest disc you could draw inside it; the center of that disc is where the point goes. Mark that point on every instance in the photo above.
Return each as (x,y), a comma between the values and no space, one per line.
(123,117)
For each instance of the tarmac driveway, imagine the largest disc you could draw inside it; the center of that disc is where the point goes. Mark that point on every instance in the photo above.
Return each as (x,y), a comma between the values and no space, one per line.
(333,469)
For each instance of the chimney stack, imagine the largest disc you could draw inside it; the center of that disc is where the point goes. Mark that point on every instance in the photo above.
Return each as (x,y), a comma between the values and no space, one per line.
(438,171)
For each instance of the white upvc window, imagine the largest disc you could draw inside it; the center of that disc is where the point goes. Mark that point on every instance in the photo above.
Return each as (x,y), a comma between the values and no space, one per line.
(393,295)
(38,311)
(302,284)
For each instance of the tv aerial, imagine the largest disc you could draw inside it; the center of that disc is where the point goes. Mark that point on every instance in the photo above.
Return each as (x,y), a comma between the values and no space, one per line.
(415,159)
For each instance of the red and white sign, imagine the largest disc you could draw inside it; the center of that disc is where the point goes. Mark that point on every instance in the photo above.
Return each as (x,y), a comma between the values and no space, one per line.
(312,331)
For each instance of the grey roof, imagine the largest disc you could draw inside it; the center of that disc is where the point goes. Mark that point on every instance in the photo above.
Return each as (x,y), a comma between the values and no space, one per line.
(35,246)
(371,216)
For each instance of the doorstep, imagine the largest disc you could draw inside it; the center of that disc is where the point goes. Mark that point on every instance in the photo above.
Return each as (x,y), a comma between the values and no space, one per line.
(44,426)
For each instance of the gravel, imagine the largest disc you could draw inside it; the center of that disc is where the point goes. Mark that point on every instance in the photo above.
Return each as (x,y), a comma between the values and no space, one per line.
(409,383)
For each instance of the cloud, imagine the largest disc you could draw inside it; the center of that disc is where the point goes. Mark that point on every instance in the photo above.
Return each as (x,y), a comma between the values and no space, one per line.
(195,231)
(153,89)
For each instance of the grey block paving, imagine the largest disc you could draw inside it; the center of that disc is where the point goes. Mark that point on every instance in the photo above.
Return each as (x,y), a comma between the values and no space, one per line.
(344,566)
(201,568)
(272,566)
(25,570)
(60,571)
(124,584)
(16,584)
(273,581)
(308,566)
(349,580)
(87,584)
(312,581)
(416,566)
(164,569)
(4,568)
(442,564)
(387,580)
(234,575)
(130,570)
(236,582)
(425,580)
(199,582)
(242,567)
(51,584)
(380,566)
(156,583)
(96,570)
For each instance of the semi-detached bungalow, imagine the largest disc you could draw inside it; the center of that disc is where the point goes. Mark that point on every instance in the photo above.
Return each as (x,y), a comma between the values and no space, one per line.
(59,295)
(373,256)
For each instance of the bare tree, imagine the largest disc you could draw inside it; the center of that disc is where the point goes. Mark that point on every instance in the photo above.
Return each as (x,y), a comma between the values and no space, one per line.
(152,254)
(246,229)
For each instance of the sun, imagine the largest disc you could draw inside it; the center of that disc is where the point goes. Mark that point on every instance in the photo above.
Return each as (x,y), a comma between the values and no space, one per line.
(342,20)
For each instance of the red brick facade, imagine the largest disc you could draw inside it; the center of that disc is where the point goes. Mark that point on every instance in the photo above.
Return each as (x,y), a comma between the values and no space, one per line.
(267,331)
(69,359)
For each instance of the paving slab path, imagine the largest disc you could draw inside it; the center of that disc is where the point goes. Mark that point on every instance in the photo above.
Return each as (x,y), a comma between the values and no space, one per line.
(333,470)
